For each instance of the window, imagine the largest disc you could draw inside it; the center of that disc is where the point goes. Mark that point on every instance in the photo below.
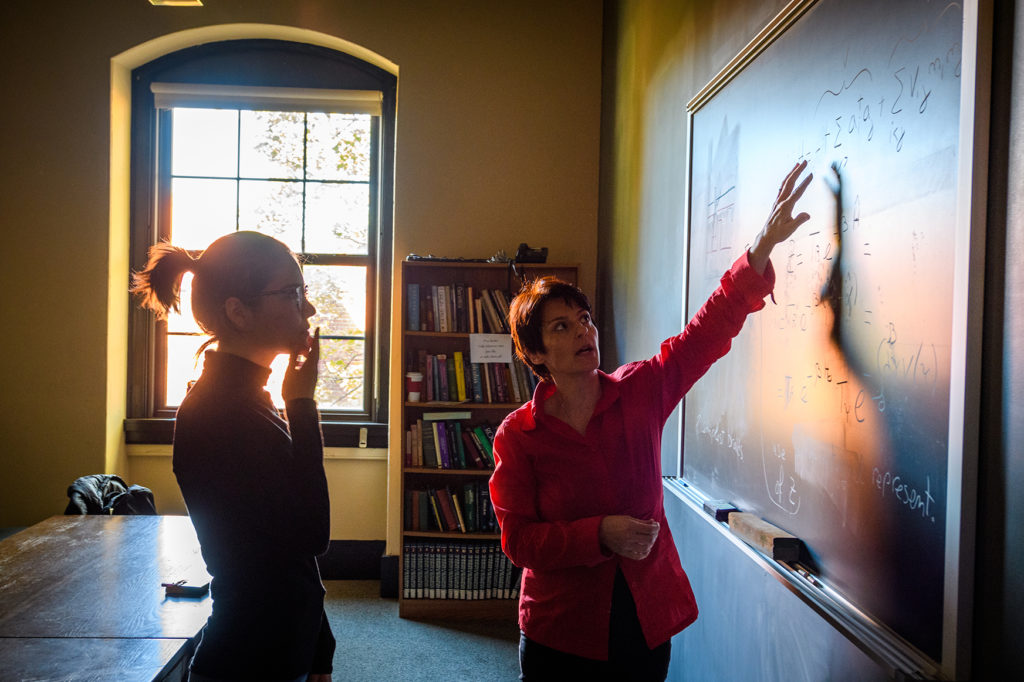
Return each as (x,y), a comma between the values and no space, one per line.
(304,165)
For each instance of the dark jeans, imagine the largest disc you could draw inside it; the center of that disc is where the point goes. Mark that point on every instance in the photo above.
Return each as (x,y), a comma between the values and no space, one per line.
(629,659)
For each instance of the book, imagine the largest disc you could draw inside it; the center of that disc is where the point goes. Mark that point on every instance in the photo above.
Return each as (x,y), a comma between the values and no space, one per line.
(437,313)
(430,570)
(525,378)
(442,372)
(423,502)
(436,510)
(480,438)
(460,450)
(413,309)
(518,391)
(490,312)
(442,309)
(417,443)
(461,322)
(476,386)
(447,416)
(460,376)
(429,450)
(458,511)
(469,504)
(473,455)
(478,446)
(453,380)
(441,443)
(470,311)
(427,311)
(444,502)
(407,586)
(453,452)
(478,313)
(449,291)
(429,378)
(490,521)
(498,382)
(488,562)
(462,571)
(485,374)
(478,566)
(502,301)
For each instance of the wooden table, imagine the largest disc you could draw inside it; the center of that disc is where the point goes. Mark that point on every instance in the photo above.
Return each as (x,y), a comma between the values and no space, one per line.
(80,598)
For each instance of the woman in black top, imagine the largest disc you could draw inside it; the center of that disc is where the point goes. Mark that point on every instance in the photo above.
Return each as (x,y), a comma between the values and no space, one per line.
(253,481)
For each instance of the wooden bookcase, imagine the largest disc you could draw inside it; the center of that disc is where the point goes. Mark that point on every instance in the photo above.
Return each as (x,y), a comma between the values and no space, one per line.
(468,603)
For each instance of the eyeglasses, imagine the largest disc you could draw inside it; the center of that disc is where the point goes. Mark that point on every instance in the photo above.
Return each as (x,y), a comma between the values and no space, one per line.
(299,291)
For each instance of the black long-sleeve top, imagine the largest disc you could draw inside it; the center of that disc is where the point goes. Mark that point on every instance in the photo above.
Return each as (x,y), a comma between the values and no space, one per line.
(255,488)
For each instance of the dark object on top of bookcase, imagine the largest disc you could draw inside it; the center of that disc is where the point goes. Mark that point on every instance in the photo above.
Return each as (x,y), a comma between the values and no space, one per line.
(524,254)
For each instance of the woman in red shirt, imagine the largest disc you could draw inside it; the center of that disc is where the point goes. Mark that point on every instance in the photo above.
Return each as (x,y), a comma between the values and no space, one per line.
(577,486)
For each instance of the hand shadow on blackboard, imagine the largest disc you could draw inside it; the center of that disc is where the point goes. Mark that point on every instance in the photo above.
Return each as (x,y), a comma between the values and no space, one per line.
(832,296)
(832,291)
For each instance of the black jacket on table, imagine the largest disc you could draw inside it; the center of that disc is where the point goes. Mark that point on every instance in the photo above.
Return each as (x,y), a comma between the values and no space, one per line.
(255,488)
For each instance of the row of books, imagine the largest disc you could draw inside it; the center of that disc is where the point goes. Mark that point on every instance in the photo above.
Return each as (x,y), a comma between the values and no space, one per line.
(456,308)
(453,379)
(458,570)
(440,440)
(464,508)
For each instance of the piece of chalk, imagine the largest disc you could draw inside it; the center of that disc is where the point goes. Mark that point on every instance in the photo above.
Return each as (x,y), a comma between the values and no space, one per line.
(763,536)
(719,509)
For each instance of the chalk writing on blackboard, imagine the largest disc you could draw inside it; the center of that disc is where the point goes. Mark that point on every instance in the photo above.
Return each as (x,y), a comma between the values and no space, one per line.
(830,416)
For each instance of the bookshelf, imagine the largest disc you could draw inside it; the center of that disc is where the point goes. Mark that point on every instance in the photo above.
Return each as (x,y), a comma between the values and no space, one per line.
(450,561)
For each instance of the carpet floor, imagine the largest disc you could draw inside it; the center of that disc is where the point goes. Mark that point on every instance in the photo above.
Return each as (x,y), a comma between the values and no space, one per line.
(375,644)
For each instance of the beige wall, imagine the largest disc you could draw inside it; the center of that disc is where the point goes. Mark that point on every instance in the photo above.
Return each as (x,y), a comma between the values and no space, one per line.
(356,481)
(497,143)
(658,55)
(662,54)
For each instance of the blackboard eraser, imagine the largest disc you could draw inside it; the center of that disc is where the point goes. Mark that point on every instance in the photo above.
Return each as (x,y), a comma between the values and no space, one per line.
(719,509)
(763,536)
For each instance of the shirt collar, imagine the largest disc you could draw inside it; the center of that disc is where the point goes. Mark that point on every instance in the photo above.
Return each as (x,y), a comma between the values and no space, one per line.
(234,371)
(545,389)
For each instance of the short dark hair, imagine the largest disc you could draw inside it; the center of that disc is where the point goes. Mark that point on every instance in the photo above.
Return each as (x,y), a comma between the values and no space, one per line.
(525,315)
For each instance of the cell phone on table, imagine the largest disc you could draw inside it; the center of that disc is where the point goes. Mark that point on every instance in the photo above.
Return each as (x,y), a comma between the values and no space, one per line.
(183,588)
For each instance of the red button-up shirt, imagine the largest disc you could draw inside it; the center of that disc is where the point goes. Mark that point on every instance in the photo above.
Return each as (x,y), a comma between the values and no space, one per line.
(552,486)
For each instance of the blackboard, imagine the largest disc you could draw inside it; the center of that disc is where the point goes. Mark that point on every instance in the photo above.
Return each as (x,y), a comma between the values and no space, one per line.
(831,415)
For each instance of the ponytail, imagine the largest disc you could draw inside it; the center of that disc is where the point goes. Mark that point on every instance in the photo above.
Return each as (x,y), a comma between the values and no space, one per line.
(159,283)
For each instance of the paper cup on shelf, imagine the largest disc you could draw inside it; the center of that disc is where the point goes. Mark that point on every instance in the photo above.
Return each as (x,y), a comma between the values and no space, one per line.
(414,385)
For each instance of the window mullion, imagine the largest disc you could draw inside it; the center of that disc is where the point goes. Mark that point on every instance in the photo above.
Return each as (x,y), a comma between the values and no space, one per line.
(238,170)
(305,175)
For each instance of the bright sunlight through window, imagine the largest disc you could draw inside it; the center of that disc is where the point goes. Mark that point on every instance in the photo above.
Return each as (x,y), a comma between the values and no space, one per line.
(303,178)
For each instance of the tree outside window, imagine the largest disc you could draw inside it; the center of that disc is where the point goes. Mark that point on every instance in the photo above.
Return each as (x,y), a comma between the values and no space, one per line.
(305,178)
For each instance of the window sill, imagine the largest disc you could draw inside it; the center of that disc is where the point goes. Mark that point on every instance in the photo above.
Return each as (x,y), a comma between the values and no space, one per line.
(336,434)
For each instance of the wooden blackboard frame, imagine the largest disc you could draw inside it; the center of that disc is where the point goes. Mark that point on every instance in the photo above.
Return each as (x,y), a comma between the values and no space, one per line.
(964,400)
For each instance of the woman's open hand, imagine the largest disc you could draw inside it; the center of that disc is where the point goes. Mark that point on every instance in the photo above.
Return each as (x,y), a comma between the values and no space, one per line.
(781,223)
(300,377)
(627,536)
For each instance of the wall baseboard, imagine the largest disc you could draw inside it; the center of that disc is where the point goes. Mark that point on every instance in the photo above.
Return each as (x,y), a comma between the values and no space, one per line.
(352,560)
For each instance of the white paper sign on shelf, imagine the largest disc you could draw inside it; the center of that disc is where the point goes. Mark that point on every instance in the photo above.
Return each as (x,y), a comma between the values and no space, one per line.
(490,348)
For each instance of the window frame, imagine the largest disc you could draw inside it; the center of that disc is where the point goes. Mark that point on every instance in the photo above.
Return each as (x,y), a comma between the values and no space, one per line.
(146,421)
